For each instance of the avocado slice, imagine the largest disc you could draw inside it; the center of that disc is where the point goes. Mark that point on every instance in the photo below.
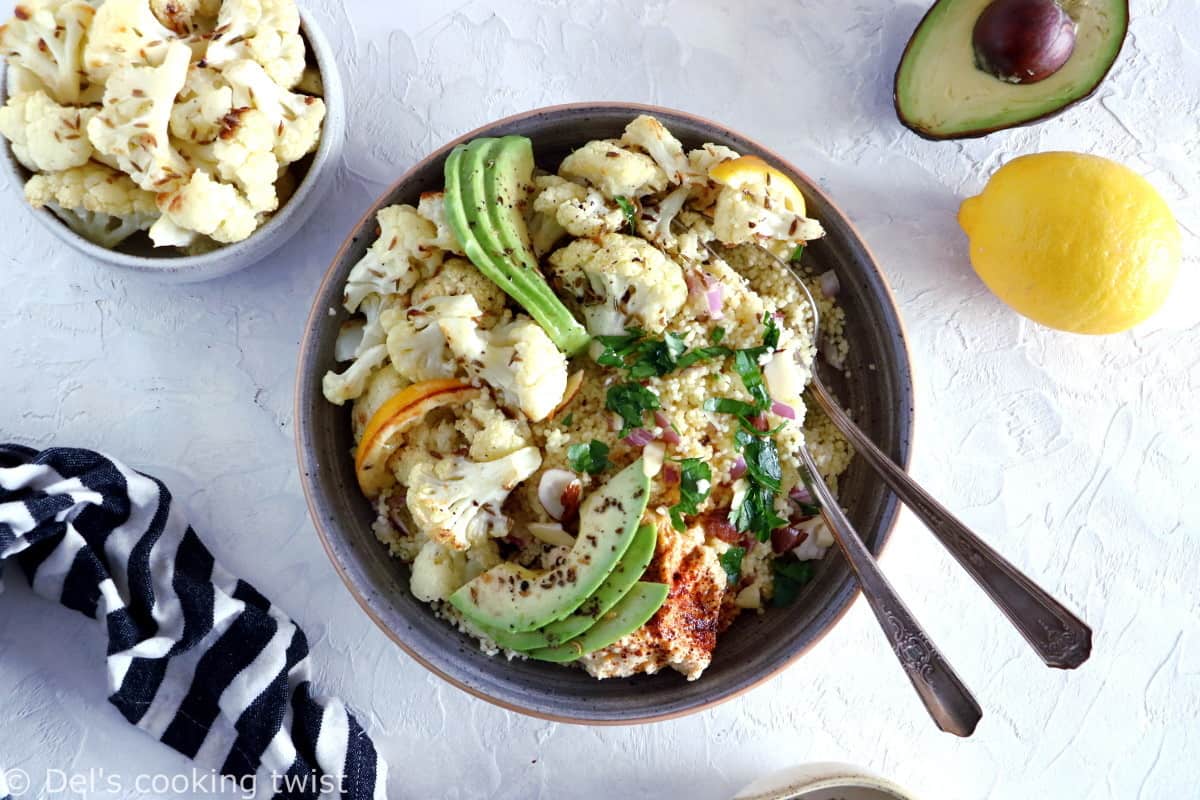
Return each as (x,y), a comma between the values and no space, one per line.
(631,567)
(469,213)
(942,92)
(635,610)
(507,198)
(512,598)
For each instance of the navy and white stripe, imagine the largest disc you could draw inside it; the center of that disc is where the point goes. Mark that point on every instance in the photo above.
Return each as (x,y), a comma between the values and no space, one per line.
(196,657)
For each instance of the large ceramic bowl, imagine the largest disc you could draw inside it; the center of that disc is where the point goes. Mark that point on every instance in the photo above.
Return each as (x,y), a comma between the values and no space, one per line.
(316,172)
(878,389)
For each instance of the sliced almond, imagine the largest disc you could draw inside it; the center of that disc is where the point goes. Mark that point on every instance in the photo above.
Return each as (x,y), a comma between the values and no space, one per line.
(551,533)
(556,495)
(653,455)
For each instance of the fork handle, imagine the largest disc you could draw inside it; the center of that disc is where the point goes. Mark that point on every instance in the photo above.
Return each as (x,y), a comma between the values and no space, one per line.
(1061,639)
(945,696)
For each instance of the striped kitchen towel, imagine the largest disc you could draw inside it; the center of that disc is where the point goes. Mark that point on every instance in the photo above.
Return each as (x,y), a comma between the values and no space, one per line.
(196,657)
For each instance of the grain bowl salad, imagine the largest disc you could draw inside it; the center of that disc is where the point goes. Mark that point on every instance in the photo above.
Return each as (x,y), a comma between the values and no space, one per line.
(576,397)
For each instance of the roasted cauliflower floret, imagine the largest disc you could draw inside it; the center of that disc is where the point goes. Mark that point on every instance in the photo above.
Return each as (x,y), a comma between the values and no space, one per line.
(297,117)
(704,190)
(517,359)
(96,202)
(186,17)
(245,156)
(201,106)
(381,385)
(432,207)
(267,31)
(125,33)
(614,170)
(437,572)
(46,38)
(131,128)
(579,211)
(491,432)
(752,209)
(397,259)
(45,136)
(415,342)
(211,208)
(649,134)
(370,353)
(620,282)
(460,277)
(457,502)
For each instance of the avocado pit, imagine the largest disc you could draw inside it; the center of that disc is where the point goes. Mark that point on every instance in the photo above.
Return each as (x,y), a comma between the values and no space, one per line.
(1023,41)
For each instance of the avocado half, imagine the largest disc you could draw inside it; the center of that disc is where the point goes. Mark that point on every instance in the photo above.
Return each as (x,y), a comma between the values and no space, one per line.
(942,93)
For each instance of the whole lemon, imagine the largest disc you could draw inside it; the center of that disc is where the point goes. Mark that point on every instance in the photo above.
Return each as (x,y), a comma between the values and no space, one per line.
(1073,241)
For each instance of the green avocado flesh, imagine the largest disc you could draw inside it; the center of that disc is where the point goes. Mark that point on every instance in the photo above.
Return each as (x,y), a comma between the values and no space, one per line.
(616,586)
(635,610)
(512,598)
(941,93)
(487,185)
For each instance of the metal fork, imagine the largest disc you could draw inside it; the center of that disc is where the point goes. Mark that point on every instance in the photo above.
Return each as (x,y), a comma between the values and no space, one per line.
(1059,637)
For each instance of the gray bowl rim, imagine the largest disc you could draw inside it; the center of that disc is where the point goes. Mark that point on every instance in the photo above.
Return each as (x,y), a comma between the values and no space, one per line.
(309,458)
(224,260)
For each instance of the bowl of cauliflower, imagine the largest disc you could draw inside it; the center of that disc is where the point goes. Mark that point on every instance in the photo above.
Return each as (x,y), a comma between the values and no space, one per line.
(184,139)
(549,403)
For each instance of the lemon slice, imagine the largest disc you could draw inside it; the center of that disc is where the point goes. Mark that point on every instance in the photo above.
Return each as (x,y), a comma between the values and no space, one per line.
(751,172)
(382,433)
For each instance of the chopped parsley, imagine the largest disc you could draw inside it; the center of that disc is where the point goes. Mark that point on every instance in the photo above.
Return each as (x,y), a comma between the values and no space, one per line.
(771,335)
(790,578)
(718,333)
(642,357)
(745,364)
(756,513)
(695,482)
(590,457)
(762,459)
(567,420)
(630,401)
(728,405)
(731,561)
(629,210)
(795,256)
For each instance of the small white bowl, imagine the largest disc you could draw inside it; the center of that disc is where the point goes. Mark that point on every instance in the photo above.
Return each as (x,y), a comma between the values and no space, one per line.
(264,241)
(823,781)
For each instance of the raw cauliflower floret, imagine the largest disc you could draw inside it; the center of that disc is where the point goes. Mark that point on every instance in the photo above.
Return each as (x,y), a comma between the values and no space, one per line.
(126,33)
(754,210)
(491,432)
(46,38)
(614,170)
(649,134)
(397,259)
(209,207)
(620,282)
(131,129)
(415,342)
(95,201)
(266,31)
(432,206)
(457,502)
(458,276)
(517,359)
(578,210)
(185,17)
(201,106)
(45,136)
(297,117)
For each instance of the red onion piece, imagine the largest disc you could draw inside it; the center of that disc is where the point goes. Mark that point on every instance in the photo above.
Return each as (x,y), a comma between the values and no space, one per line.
(830,286)
(738,469)
(669,434)
(639,437)
(800,494)
(761,422)
(715,296)
(783,410)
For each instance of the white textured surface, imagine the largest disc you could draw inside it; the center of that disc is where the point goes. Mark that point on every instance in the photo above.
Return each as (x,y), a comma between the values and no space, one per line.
(1074,455)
